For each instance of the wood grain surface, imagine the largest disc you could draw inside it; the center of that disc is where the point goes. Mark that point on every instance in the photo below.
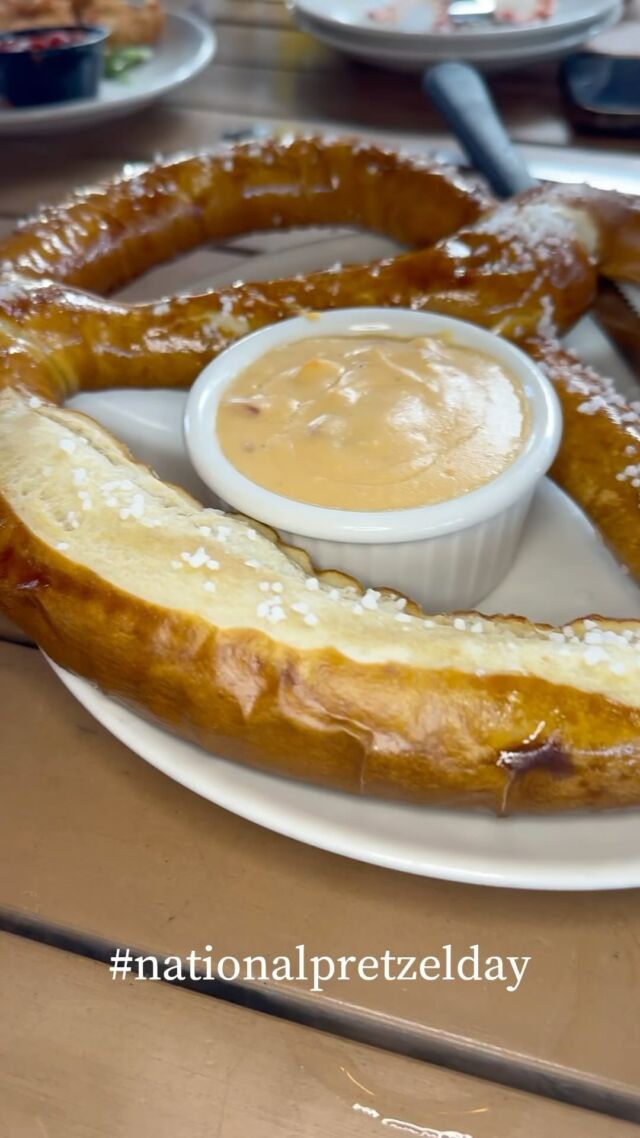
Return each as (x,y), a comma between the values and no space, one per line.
(84,1056)
(99,842)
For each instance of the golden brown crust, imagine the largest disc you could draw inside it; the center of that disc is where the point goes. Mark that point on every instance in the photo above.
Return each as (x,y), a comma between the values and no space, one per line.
(103,237)
(506,742)
(598,463)
(432,734)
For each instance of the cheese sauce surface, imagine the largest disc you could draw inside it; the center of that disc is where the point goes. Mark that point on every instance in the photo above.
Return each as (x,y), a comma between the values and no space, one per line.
(373,423)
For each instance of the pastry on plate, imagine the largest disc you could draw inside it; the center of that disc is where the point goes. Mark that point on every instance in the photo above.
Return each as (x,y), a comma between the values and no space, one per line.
(18,14)
(130,22)
(214,626)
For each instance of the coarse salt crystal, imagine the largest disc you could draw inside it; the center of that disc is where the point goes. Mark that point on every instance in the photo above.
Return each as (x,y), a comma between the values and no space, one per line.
(199,558)
(137,506)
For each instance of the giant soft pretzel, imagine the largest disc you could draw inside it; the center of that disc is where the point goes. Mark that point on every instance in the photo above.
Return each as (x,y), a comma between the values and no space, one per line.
(132,584)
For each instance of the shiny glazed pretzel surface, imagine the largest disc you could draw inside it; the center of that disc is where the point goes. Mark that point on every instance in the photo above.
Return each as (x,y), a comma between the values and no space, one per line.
(131,584)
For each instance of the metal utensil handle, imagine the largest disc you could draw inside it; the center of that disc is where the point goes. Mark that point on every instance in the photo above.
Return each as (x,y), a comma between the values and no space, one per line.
(462,97)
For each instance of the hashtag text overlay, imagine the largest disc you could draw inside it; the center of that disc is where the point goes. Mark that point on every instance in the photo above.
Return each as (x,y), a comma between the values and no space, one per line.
(301,967)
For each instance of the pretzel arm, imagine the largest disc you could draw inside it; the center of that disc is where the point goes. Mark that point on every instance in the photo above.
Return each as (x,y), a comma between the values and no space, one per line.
(516,287)
(496,712)
(598,463)
(104,237)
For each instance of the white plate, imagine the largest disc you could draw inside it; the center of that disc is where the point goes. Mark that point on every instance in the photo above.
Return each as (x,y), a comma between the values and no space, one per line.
(185,49)
(414,21)
(562,571)
(488,54)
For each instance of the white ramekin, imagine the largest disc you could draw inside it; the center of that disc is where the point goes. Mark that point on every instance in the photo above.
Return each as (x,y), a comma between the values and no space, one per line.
(446,556)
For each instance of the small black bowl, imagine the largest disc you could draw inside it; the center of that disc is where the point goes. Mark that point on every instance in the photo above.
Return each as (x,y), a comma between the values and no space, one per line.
(36,68)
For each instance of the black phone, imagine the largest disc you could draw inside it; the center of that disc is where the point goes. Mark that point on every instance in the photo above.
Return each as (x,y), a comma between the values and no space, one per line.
(602,92)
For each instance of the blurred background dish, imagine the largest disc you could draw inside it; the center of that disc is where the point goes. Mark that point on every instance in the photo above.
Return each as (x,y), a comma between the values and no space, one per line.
(185,48)
(348,26)
(51,65)
(426,18)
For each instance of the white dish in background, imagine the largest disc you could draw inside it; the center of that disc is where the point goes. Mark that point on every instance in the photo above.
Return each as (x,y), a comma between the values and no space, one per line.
(486,57)
(187,46)
(413,22)
(488,52)
(562,571)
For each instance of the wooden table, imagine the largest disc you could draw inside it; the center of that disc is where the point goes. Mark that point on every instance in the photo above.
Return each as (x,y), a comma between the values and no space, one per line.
(86,1058)
(99,850)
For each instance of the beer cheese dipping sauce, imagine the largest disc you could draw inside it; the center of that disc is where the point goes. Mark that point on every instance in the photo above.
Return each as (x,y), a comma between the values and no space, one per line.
(402,448)
(373,422)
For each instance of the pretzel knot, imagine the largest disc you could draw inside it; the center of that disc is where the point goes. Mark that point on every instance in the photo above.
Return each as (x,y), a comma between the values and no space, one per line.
(111,571)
